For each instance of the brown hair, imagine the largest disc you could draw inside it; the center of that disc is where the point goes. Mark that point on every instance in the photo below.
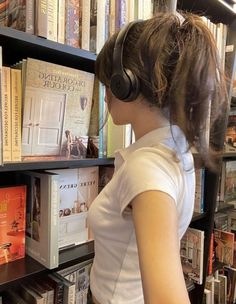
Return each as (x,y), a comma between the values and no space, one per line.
(179,70)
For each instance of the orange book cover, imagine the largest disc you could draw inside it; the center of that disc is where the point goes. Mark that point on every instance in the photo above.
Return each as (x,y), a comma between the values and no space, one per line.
(12,223)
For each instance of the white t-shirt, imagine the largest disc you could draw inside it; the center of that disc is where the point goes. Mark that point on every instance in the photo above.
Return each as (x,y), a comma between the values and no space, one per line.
(154,162)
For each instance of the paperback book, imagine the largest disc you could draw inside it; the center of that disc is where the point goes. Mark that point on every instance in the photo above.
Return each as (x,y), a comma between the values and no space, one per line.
(42,216)
(77,189)
(12,223)
(191,251)
(224,241)
(57,108)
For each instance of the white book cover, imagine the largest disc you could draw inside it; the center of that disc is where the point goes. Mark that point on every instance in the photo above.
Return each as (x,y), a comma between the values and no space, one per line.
(42,217)
(192,251)
(77,189)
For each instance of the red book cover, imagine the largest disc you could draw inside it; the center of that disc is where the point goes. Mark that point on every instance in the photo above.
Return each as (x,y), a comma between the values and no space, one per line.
(12,223)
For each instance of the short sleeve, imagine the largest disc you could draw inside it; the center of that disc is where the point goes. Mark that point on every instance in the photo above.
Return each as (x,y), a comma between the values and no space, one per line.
(146,171)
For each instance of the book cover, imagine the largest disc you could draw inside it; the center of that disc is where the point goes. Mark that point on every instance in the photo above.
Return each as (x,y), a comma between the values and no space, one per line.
(4,12)
(230,136)
(42,216)
(192,251)
(199,191)
(230,273)
(57,108)
(77,189)
(79,274)
(224,241)
(68,289)
(223,288)
(210,285)
(16,16)
(57,285)
(12,223)
(230,182)
(105,175)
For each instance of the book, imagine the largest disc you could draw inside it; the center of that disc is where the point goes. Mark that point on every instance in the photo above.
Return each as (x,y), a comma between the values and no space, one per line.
(16,14)
(68,289)
(210,285)
(105,175)
(206,296)
(57,285)
(72,13)
(12,296)
(16,109)
(230,136)
(228,181)
(57,108)
(12,223)
(191,252)
(50,290)
(223,288)
(79,274)
(42,216)
(77,189)
(224,246)
(199,191)
(29,295)
(230,273)
(6,114)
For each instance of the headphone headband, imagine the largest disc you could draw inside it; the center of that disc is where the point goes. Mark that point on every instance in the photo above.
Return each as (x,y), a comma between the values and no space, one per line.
(124,83)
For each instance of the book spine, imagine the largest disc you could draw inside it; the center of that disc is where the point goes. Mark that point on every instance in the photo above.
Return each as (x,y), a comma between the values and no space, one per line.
(93,26)
(61,21)
(72,23)
(4,5)
(102,149)
(52,20)
(16,114)
(85,39)
(6,113)
(1,148)
(41,18)
(100,39)
(29,16)
(54,222)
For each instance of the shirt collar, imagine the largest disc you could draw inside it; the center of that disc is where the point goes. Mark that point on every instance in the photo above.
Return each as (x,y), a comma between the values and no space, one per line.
(151,139)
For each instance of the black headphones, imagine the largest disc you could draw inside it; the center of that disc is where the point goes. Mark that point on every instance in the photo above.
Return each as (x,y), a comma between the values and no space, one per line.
(124,83)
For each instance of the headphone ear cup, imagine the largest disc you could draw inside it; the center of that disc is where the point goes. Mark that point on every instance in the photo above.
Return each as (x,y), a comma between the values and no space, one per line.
(134,85)
(125,86)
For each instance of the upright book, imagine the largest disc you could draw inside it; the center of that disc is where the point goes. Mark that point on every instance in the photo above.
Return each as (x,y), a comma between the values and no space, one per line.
(57,108)
(192,250)
(12,223)
(77,189)
(42,216)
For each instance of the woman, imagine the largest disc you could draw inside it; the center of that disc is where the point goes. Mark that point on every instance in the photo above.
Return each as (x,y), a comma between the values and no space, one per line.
(160,76)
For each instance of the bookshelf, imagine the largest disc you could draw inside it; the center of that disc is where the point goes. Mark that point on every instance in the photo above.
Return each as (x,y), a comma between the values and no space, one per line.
(17,45)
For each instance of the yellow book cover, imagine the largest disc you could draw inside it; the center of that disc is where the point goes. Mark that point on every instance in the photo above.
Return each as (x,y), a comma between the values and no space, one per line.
(57,108)
(16,103)
(6,113)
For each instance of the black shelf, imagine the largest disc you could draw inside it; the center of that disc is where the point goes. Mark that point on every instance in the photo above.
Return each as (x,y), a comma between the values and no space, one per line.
(19,269)
(56,164)
(229,155)
(198,216)
(76,254)
(18,45)
(12,272)
(216,10)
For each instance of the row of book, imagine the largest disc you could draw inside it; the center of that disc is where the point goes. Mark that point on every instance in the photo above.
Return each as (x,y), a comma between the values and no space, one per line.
(67,286)
(76,22)
(46,111)
(47,212)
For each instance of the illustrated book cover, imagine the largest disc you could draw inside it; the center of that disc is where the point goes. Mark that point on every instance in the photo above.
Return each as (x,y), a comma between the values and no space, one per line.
(42,216)
(79,274)
(57,109)
(77,189)
(12,223)
(224,241)
(191,251)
